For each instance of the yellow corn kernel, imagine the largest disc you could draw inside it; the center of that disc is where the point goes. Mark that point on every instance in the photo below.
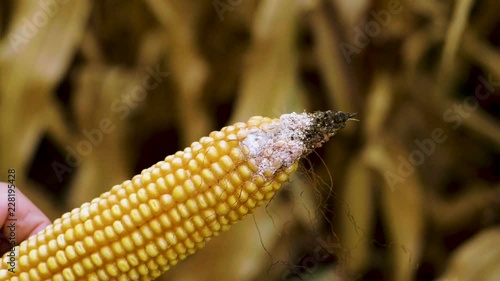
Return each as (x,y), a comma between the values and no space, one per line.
(146,225)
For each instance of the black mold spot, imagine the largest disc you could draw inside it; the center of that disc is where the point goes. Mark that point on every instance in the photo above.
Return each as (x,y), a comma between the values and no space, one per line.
(325,125)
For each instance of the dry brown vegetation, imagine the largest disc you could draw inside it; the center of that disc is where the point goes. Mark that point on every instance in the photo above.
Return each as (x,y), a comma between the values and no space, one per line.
(145,78)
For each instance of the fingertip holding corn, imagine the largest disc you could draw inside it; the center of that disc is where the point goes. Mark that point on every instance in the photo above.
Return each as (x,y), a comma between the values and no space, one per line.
(142,227)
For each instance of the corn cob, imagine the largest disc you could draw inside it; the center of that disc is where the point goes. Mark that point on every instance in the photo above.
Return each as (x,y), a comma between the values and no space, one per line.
(142,227)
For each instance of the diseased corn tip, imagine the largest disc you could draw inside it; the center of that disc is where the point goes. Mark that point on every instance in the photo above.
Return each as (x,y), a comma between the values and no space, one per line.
(146,225)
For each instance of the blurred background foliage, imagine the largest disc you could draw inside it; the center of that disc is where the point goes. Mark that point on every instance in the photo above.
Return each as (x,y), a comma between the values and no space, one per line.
(92,92)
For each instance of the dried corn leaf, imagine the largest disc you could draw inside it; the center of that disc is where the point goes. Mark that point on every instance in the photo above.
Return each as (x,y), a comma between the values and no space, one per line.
(477,259)
(356,223)
(452,43)
(332,64)
(483,53)
(402,205)
(187,65)
(378,104)
(101,126)
(351,12)
(29,71)
(269,85)
(404,215)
